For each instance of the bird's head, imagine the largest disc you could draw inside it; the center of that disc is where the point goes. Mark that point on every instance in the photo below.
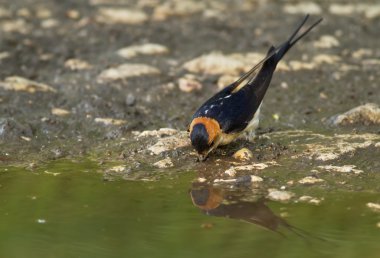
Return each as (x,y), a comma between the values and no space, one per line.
(204,135)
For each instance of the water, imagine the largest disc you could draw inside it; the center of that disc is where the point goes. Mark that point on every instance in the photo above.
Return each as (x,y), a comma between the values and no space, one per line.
(77,214)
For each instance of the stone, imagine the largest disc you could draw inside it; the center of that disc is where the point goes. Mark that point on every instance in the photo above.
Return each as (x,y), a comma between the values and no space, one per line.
(302,8)
(76,64)
(342,169)
(281,196)
(365,114)
(168,143)
(144,49)
(165,163)
(326,41)
(176,8)
(118,169)
(59,112)
(309,199)
(309,180)
(157,133)
(189,83)
(130,100)
(120,15)
(110,121)
(125,71)
(17,83)
(243,154)
(374,206)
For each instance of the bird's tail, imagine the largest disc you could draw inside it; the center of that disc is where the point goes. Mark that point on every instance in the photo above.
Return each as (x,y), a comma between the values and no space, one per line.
(276,54)
(284,47)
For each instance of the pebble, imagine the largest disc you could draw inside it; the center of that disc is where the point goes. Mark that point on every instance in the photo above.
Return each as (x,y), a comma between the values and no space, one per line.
(75,64)
(121,16)
(309,199)
(130,100)
(370,11)
(281,196)
(59,112)
(302,8)
(309,180)
(144,49)
(189,83)
(326,41)
(365,114)
(17,83)
(165,163)
(49,23)
(17,25)
(215,63)
(243,154)
(374,206)
(110,121)
(118,169)
(126,71)
(176,8)
(170,143)
(157,133)
(231,172)
(342,169)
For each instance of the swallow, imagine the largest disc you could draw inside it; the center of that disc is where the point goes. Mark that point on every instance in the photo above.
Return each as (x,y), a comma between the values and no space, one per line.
(235,109)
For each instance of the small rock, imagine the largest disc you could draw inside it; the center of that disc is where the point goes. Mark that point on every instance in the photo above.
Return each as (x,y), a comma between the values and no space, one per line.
(130,100)
(157,133)
(243,154)
(75,64)
(118,169)
(176,8)
(302,8)
(189,83)
(281,196)
(326,41)
(110,121)
(374,206)
(256,179)
(309,199)
(165,163)
(125,71)
(17,83)
(309,180)
(170,143)
(41,221)
(73,14)
(60,112)
(49,23)
(378,224)
(4,55)
(228,181)
(231,172)
(342,169)
(120,15)
(215,63)
(17,25)
(365,114)
(144,49)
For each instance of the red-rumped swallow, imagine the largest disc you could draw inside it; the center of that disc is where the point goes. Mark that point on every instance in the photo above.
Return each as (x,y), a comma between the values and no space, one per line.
(235,109)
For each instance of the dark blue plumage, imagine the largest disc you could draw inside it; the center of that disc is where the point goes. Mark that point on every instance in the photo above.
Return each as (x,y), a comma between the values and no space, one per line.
(234,109)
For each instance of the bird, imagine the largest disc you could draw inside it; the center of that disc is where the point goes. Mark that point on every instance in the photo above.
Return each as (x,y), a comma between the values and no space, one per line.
(234,110)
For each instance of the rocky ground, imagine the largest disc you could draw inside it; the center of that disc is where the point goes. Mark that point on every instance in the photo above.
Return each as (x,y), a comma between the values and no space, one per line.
(98,79)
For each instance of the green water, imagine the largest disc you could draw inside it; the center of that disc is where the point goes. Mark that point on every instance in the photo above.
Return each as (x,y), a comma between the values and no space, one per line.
(77,214)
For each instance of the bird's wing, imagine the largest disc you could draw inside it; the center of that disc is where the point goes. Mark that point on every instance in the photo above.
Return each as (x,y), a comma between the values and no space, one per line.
(233,111)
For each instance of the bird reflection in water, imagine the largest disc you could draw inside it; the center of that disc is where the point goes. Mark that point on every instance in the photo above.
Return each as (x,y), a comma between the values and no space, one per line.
(224,203)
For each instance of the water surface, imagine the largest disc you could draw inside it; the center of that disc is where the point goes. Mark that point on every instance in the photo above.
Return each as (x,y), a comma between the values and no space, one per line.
(75,213)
